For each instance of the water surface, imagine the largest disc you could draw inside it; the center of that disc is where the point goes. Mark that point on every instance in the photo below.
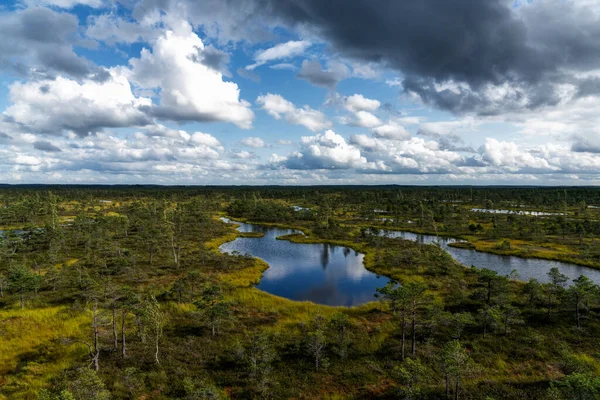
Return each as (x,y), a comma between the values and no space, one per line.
(321,273)
(515,212)
(526,267)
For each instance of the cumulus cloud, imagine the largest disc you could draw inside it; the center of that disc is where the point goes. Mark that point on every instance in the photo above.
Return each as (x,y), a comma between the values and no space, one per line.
(391,131)
(510,156)
(244,155)
(369,70)
(278,107)
(189,90)
(156,153)
(413,156)
(205,139)
(361,108)
(357,102)
(324,151)
(363,119)
(531,67)
(313,72)
(62,104)
(279,52)
(254,142)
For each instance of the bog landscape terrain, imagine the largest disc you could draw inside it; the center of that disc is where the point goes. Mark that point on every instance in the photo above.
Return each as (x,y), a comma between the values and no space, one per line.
(145,292)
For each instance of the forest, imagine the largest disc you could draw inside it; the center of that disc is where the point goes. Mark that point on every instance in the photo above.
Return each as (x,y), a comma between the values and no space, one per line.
(122,292)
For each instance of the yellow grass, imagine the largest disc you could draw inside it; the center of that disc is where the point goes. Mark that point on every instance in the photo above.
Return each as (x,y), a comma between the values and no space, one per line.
(35,334)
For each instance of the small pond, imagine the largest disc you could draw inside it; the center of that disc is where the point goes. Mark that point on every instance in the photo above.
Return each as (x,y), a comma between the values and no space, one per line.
(336,276)
(321,273)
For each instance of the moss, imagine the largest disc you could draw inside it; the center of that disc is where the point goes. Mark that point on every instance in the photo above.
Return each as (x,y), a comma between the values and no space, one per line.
(462,245)
(251,234)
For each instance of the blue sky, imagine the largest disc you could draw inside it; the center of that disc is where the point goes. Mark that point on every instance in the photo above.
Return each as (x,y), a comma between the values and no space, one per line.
(299,92)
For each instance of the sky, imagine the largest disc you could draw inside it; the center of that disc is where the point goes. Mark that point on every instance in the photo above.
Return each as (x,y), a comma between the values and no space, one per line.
(300,92)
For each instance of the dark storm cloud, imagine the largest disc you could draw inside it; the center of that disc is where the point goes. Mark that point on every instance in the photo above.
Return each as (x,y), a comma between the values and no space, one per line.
(46,146)
(215,59)
(483,45)
(588,87)
(313,72)
(42,39)
(469,40)
(582,144)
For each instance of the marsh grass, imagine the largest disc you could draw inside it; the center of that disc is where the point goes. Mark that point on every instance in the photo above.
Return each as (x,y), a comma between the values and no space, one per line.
(31,347)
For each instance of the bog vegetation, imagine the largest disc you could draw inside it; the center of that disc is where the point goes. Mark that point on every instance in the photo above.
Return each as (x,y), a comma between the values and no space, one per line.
(121,293)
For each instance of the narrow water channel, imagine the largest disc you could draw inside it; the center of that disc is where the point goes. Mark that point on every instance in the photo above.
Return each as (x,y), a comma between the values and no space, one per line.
(526,267)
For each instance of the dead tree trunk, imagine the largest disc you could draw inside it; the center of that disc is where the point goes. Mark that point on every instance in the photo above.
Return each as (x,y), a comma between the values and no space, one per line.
(414,326)
(123,318)
(114,326)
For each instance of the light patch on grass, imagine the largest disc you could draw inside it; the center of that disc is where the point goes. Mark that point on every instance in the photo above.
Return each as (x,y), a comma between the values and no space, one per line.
(35,334)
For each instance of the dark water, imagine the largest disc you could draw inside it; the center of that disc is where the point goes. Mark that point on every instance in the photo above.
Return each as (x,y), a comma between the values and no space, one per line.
(323,274)
(526,267)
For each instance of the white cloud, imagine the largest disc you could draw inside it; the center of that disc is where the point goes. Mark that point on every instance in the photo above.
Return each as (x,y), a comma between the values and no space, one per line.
(366,70)
(391,130)
(161,130)
(509,155)
(189,90)
(414,156)
(26,160)
(205,139)
(357,102)
(288,66)
(361,107)
(254,142)
(396,82)
(113,29)
(280,51)
(52,106)
(158,154)
(244,155)
(324,151)
(365,119)
(278,107)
